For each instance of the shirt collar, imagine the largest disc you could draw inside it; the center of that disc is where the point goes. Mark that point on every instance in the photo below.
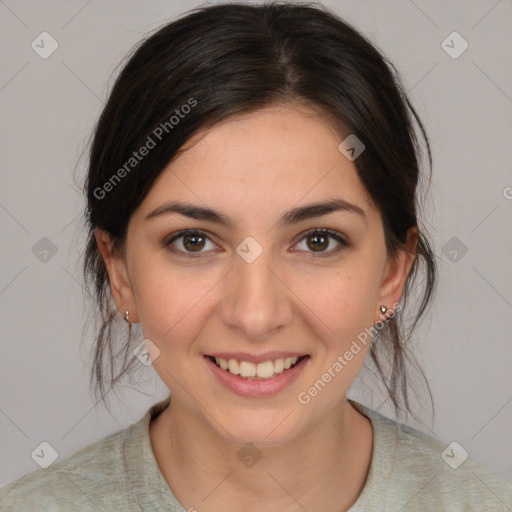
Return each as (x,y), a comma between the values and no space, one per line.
(150,491)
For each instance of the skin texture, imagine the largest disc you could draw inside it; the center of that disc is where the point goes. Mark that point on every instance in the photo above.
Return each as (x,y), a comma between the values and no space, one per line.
(253,168)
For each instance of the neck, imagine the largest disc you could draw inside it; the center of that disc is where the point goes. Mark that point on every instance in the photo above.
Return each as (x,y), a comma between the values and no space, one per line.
(323,468)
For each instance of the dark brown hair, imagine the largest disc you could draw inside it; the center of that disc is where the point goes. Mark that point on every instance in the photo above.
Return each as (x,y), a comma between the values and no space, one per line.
(237,58)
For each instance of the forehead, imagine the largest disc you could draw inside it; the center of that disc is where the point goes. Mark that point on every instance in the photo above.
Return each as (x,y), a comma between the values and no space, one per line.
(269,159)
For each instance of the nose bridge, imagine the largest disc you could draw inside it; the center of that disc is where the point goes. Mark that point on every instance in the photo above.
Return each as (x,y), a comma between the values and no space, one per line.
(256,302)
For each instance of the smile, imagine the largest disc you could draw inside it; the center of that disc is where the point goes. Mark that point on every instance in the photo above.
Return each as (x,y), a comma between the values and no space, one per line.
(256,379)
(263,370)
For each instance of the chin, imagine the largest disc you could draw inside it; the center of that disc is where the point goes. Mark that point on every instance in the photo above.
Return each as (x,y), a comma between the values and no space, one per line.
(264,430)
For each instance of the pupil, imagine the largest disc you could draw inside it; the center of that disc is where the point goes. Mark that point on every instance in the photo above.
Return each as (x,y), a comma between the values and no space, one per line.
(187,239)
(315,238)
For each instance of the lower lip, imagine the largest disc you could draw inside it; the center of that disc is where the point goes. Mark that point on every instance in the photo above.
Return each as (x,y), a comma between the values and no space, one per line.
(257,388)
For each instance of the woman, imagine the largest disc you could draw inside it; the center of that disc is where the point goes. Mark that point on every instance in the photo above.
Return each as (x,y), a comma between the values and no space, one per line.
(252,205)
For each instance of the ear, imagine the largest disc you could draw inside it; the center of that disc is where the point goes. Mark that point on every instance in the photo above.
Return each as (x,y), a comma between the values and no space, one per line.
(120,284)
(396,273)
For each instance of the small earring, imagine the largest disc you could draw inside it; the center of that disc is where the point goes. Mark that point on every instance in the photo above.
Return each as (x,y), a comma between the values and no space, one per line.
(126,316)
(383,309)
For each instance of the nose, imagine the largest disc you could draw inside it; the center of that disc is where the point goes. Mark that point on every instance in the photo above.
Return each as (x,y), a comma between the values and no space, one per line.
(256,301)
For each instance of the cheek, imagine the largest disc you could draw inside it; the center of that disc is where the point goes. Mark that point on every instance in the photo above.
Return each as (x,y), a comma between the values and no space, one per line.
(343,302)
(169,303)
(171,316)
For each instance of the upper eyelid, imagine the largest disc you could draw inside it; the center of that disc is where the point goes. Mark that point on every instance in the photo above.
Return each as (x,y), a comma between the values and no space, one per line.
(183,232)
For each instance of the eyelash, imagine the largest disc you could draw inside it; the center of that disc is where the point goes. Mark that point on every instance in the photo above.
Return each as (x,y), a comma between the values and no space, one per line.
(343,243)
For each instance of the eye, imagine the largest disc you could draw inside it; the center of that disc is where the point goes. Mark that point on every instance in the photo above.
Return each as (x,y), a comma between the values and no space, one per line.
(191,241)
(320,239)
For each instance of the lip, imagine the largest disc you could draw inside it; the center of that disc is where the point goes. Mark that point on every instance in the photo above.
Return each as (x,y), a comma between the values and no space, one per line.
(257,388)
(252,358)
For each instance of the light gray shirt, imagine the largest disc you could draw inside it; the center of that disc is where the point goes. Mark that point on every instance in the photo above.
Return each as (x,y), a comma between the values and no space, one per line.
(409,472)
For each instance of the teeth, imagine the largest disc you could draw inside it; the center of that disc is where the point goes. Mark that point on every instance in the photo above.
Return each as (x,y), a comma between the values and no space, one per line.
(233,366)
(279,366)
(265,370)
(247,369)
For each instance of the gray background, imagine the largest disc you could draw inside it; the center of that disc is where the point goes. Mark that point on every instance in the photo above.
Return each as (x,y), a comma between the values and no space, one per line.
(48,110)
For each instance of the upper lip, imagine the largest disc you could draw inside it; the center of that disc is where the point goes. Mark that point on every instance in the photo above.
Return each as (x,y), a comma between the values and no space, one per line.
(253,358)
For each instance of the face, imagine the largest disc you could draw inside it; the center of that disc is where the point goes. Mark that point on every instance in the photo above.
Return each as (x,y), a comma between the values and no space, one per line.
(257,278)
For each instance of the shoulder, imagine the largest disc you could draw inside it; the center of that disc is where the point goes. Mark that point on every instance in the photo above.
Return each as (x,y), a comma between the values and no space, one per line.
(87,480)
(423,473)
(451,478)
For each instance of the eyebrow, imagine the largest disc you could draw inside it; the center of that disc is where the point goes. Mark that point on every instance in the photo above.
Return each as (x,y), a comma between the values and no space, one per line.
(293,216)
